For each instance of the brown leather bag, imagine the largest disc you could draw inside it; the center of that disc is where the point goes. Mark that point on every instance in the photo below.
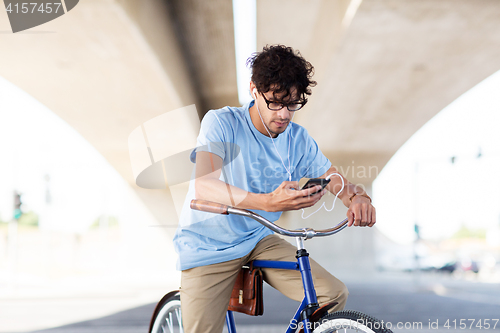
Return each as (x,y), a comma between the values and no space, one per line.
(246,296)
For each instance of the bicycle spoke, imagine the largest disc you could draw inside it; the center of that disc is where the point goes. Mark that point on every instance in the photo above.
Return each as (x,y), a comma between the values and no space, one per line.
(170,323)
(178,313)
(168,319)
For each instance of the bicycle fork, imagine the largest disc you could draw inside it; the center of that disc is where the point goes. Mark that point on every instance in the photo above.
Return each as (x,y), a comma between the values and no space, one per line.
(310,302)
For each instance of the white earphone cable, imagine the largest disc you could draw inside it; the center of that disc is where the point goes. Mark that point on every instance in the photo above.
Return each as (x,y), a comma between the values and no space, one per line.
(323,204)
(289,167)
(275,148)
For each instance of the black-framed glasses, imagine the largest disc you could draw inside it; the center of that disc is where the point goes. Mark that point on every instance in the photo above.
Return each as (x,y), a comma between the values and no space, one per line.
(276,106)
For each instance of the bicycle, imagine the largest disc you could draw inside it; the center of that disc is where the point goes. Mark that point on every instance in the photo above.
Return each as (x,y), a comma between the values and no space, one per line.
(167,316)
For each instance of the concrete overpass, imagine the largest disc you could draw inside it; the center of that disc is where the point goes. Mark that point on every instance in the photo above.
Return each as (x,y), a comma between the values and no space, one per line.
(384,68)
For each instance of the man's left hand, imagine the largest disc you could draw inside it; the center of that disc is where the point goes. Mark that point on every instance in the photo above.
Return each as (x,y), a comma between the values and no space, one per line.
(361,212)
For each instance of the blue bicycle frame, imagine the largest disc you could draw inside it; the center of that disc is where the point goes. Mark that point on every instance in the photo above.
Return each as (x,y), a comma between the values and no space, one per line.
(310,300)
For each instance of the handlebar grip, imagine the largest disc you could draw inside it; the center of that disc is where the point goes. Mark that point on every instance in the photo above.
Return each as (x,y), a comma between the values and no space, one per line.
(209,206)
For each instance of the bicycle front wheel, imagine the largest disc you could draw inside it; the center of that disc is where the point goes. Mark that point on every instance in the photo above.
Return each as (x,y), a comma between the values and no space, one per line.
(168,315)
(350,321)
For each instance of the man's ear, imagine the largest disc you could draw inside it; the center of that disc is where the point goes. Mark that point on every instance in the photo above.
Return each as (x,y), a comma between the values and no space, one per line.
(252,86)
(253,90)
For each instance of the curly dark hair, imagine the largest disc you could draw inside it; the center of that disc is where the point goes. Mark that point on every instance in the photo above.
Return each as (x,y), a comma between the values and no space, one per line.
(281,69)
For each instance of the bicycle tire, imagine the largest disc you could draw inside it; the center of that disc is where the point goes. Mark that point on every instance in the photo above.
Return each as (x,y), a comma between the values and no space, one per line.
(350,320)
(167,316)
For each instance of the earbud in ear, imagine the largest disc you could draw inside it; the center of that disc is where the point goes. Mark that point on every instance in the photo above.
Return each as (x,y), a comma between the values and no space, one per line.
(254,91)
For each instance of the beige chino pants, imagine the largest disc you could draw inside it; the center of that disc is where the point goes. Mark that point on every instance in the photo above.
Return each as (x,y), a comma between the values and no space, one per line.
(205,290)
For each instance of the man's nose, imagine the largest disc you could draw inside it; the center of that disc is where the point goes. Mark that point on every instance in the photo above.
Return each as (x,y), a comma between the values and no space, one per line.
(283,113)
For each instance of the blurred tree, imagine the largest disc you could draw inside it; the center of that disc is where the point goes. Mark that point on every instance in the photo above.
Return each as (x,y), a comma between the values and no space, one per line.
(29,219)
(111,221)
(465,232)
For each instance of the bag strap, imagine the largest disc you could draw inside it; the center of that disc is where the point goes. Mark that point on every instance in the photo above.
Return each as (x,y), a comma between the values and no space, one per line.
(250,265)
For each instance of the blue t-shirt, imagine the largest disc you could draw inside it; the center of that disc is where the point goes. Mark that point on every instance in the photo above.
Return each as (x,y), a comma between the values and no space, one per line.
(251,163)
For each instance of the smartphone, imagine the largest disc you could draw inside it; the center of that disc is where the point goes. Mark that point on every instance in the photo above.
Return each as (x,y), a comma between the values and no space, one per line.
(316,181)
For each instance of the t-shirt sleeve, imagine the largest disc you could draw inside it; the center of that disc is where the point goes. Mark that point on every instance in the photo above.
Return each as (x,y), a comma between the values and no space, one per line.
(314,163)
(212,136)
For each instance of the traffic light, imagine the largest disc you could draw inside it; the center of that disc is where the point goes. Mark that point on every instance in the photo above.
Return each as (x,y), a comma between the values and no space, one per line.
(417,230)
(17,205)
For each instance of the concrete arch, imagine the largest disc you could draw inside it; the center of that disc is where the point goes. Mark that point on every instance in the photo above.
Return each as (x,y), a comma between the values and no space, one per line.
(108,66)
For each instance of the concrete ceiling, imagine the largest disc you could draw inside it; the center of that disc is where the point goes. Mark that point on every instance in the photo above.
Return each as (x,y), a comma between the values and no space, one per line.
(384,75)
(206,34)
(383,68)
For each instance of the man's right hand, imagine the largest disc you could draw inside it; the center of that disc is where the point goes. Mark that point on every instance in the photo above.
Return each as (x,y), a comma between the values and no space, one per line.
(288,197)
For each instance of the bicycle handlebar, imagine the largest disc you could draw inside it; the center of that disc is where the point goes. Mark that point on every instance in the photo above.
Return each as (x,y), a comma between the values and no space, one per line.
(209,206)
(306,233)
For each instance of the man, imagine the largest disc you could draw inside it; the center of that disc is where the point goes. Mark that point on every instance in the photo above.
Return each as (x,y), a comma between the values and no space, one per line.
(252,157)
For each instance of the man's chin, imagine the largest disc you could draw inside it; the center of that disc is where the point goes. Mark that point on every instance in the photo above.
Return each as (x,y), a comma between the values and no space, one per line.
(278,131)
